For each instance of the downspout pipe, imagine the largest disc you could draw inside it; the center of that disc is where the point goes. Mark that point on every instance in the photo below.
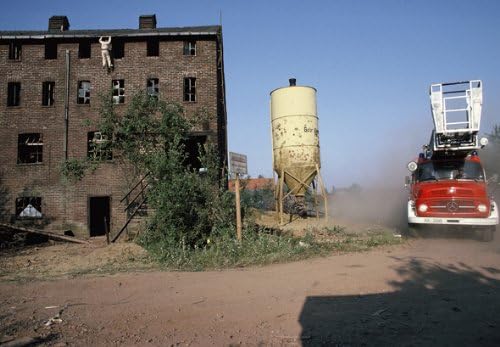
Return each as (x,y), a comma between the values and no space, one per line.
(66,108)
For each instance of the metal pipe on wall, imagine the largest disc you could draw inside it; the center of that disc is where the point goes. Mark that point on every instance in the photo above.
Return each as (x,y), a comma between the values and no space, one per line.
(66,108)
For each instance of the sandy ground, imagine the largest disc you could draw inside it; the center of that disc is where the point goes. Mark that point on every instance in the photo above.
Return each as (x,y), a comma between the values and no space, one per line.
(425,292)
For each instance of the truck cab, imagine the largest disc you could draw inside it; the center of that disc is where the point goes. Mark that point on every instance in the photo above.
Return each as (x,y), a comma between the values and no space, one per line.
(451,191)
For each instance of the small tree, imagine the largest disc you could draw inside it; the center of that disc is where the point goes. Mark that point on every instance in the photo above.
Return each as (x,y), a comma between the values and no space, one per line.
(189,206)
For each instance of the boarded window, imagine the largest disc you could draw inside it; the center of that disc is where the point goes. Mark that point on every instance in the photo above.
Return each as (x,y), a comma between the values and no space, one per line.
(48,93)
(190,89)
(118,91)
(84,49)
(153,88)
(30,148)
(118,49)
(83,92)
(13,94)
(51,50)
(153,47)
(29,207)
(189,47)
(15,49)
(98,146)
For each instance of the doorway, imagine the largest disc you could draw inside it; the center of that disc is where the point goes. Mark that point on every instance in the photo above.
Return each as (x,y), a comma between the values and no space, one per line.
(99,215)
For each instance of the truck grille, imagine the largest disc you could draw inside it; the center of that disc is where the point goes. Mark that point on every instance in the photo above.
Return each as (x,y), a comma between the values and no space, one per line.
(453,206)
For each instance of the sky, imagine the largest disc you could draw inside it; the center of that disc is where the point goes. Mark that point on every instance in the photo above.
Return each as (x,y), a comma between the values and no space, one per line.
(372,63)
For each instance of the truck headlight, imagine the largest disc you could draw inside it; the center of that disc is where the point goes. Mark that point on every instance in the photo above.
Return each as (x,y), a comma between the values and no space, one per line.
(422,207)
(481,208)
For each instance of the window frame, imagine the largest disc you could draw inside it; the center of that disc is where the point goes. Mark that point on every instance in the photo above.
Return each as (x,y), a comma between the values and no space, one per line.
(13,94)
(15,50)
(50,50)
(155,87)
(23,141)
(85,99)
(190,48)
(87,49)
(189,90)
(48,93)
(120,91)
(98,149)
(153,47)
(22,202)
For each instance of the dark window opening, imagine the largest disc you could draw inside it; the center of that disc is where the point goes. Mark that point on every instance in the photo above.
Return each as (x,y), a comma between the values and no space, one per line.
(29,207)
(118,49)
(118,91)
(15,49)
(190,89)
(83,92)
(189,47)
(30,148)
(51,50)
(48,93)
(194,148)
(84,50)
(153,88)
(98,146)
(13,93)
(99,215)
(153,47)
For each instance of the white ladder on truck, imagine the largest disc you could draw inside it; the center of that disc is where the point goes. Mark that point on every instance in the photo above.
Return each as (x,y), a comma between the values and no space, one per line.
(456,110)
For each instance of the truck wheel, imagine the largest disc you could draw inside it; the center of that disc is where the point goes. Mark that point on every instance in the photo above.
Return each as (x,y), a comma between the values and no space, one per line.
(486,234)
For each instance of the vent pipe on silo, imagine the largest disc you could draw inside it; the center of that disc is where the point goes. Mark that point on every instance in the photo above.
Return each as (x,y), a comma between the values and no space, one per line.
(293,82)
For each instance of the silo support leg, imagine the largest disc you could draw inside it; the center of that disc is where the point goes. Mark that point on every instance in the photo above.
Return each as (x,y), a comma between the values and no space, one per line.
(323,192)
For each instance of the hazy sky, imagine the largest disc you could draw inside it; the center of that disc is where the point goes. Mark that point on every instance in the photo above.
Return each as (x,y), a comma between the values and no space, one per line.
(371,62)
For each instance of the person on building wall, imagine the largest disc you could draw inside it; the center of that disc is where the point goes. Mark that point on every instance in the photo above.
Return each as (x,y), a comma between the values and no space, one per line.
(105,42)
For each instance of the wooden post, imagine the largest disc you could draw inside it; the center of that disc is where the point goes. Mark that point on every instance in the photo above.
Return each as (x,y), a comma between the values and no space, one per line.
(238,207)
(106,229)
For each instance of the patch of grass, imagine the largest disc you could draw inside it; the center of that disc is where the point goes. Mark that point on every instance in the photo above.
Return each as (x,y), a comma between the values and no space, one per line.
(259,247)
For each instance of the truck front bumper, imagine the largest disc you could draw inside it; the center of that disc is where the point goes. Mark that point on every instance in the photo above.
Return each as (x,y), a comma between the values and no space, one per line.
(491,220)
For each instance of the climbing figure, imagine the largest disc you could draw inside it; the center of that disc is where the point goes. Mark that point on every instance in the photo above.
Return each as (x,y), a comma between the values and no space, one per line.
(105,42)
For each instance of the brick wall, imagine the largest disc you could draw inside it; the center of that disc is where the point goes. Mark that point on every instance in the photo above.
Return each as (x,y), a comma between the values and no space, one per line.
(65,204)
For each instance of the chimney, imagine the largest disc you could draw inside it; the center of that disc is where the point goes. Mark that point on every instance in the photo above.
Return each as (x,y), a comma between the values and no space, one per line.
(293,82)
(147,21)
(58,23)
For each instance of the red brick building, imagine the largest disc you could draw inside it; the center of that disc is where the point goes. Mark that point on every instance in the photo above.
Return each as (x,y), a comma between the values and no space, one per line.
(49,94)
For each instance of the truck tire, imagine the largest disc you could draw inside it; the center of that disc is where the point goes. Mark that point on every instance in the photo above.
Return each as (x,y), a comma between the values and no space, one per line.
(487,234)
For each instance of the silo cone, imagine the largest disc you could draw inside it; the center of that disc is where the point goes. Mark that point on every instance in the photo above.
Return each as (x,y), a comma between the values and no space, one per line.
(295,136)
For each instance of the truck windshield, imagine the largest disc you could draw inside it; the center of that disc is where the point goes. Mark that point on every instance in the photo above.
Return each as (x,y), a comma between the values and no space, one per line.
(449,170)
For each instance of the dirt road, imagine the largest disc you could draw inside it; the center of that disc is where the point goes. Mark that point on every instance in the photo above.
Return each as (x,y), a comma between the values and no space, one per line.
(425,292)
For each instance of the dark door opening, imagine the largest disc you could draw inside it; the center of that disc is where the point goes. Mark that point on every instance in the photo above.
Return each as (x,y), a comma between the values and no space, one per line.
(193,144)
(98,215)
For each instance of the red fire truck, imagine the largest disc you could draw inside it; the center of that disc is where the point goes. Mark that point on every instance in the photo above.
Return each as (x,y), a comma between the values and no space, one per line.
(448,185)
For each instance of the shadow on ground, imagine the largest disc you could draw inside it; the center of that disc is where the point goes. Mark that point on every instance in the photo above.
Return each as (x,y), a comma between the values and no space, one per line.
(434,305)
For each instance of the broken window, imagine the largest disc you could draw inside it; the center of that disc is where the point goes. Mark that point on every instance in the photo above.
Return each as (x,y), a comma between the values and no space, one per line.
(189,47)
(15,50)
(153,88)
(118,49)
(13,93)
(29,207)
(98,146)
(153,47)
(84,49)
(83,92)
(50,50)
(48,93)
(190,89)
(118,91)
(30,148)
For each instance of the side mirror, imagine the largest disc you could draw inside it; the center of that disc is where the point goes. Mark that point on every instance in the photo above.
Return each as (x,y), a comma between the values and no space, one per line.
(407,181)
